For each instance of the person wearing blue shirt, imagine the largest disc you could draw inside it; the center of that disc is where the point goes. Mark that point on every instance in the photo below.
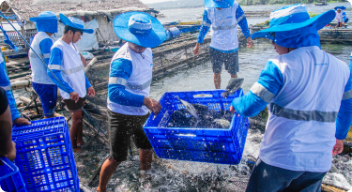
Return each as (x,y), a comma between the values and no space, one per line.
(309,93)
(341,16)
(46,24)
(67,72)
(128,91)
(223,16)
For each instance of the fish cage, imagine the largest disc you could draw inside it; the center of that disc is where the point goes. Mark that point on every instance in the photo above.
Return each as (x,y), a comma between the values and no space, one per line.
(45,157)
(212,145)
(10,177)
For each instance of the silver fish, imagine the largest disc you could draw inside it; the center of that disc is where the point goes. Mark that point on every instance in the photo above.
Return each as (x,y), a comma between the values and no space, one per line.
(189,107)
(221,123)
(233,85)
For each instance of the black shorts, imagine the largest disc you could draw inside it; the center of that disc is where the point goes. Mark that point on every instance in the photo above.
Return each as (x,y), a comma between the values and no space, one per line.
(72,105)
(230,60)
(121,129)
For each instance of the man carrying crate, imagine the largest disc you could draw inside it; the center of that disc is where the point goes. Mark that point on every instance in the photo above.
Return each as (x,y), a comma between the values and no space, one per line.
(310,97)
(129,86)
(46,24)
(67,72)
(223,16)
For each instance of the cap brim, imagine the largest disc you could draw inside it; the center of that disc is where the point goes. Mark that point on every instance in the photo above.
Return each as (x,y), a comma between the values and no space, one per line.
(211,3)
(66,21)
(320,21)
(151,40)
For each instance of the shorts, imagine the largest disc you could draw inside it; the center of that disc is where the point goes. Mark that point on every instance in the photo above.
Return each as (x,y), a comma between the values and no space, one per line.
(48,95)
(121,129)
(72,105)
(265,177)
(230,59)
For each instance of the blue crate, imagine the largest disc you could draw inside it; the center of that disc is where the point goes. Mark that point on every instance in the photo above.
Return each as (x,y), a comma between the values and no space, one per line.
(223,146)
(10,179)
(45,157)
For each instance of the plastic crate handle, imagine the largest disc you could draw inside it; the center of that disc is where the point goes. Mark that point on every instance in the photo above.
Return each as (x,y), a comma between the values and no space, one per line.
(203,96)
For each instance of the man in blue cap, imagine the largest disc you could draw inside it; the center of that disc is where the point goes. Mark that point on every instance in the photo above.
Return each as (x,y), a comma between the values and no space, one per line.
(309,93)
(223,16)
(129,87)
(341,16)
(67,72)
(46,24)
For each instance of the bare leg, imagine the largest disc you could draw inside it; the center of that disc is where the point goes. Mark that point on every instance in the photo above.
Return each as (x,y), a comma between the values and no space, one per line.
(217,80)
(146,158)
(234,76)
(80,130)
(76,122)
(107,169)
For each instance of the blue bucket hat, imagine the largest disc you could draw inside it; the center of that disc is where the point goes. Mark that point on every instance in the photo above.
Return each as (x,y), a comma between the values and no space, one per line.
(340,7)
(294,28)
(139,28)
(218,3)
(75,23)
(46,22)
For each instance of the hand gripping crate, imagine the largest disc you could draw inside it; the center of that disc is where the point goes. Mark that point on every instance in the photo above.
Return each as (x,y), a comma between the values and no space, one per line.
(45,157)
(223,146)
(10,177)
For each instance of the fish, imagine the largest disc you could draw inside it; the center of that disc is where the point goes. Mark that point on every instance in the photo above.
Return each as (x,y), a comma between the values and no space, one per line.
(190,108)
(221,123)
(207,118)
(233,85)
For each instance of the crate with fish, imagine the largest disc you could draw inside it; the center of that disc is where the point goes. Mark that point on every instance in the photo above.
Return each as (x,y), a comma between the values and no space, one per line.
(45,157)
(10,177)
(198,126)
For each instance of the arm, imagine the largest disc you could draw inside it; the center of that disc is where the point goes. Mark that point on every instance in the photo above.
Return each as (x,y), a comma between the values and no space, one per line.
(45,47)
(121,70)
(7,148)
(268,85)
(5,84)
(87,82)
(204,28)
(243,23)
(55,67)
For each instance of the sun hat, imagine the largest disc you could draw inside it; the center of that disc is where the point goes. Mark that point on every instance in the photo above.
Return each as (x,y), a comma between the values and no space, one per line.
(45,22)
(139,28)
(75,23)
(218,3)
(340,7)
(294,28)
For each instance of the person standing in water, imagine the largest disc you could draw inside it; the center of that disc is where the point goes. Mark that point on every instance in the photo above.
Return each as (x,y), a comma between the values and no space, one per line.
(46,24)
(67,72)
(309,93)
(223,16)
(128,91)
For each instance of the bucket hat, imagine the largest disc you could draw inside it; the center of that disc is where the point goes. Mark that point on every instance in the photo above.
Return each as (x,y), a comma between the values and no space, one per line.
(139,28)
(75,23)
(218,3)
(294,17)
(46,22)
(340,7)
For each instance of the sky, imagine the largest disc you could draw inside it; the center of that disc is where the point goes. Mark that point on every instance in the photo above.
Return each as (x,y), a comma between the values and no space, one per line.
(154,1)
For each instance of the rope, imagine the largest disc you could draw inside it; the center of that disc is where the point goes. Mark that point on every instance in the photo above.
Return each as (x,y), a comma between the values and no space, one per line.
(42,60)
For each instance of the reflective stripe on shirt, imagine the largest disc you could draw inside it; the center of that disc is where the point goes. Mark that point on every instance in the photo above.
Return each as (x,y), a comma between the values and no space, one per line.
(228,27)
(122,81)
(54,67)
(73,70)
(33,55)
(46,55)
(6,88)
(347,95)
(260,91)
(206,24)
(320,116)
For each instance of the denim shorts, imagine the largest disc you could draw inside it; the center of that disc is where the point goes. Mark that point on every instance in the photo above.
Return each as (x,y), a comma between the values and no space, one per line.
(219,58)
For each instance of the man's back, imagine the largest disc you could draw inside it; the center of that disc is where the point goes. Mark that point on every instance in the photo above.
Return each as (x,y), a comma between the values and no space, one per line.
(301,128)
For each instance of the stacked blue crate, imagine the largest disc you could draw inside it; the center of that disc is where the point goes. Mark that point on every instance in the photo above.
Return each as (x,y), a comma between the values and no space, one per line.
(45,157)
(223,146)
(10,177)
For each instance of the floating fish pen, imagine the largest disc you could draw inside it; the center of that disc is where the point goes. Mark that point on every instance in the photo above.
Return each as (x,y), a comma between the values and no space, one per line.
(257,13)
